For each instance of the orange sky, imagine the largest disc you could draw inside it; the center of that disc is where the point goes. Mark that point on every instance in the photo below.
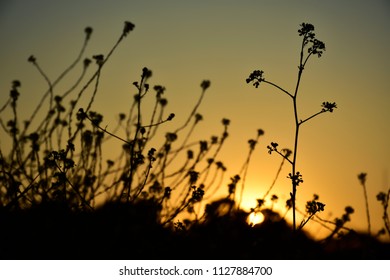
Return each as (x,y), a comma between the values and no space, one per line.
(184,42)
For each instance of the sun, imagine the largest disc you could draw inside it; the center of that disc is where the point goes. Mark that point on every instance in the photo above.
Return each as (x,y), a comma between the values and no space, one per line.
(255,218)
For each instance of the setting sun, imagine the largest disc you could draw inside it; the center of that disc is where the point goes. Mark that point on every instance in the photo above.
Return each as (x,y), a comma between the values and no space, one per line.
(255,218)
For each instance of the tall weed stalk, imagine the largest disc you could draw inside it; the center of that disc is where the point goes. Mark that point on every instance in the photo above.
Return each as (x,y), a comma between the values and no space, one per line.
(310,46)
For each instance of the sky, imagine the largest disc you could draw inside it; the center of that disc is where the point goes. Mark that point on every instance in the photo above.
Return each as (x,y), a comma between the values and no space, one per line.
(185,42)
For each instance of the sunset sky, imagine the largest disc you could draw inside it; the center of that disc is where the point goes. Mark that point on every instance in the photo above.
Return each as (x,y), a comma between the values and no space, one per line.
(185,42)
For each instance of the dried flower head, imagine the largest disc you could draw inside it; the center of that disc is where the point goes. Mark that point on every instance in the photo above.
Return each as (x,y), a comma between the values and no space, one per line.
(146,73)
(306,30)
(88,31)
(252,143)
(362,178)
(256,77)
(99,58)
(86,62)
(205,84)
(170,117)
(32,59)
(128,27)
(198,117)
(15,84)
(328,106)
(225,122)
(296,179)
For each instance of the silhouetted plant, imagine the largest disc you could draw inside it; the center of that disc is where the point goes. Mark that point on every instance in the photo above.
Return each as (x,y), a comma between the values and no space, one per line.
(41,167)
(312,207)
(362,179)
(340,222)
(244,169)
(313,47)
(261,202)
(384,199)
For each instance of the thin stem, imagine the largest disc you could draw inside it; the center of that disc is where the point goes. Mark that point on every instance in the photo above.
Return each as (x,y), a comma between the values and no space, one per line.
(5,105)
(316,114)
(385,215)
(194,110)
(245,167)
(75,190)
(367,209)
(106,131)
(276,177)
(297,124)
(133,164)
(283,156)
(142,185)
(94,91)
(305,222)
(278,87)
(183,145)
(56,81)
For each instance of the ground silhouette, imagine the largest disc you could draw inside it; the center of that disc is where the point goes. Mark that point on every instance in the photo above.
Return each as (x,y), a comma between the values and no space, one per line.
(133,231)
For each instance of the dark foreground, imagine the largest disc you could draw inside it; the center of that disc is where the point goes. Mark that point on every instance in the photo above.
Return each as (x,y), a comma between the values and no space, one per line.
(120,231)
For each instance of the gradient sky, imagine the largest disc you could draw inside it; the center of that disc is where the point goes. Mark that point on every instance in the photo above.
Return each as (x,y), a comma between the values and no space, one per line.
(184,42)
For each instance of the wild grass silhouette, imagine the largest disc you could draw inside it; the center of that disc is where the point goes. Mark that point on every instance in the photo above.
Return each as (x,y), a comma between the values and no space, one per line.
(313,47)
(55,173)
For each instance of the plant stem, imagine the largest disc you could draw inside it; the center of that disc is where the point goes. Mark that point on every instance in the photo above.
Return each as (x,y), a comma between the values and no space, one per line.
(297,124)
(367,209)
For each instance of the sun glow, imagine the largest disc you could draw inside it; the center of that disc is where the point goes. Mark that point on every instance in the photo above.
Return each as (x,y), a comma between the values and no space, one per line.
(255,218)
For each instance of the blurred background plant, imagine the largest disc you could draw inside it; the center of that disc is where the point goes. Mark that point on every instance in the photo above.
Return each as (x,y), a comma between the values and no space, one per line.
(62,158)
(384,198)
